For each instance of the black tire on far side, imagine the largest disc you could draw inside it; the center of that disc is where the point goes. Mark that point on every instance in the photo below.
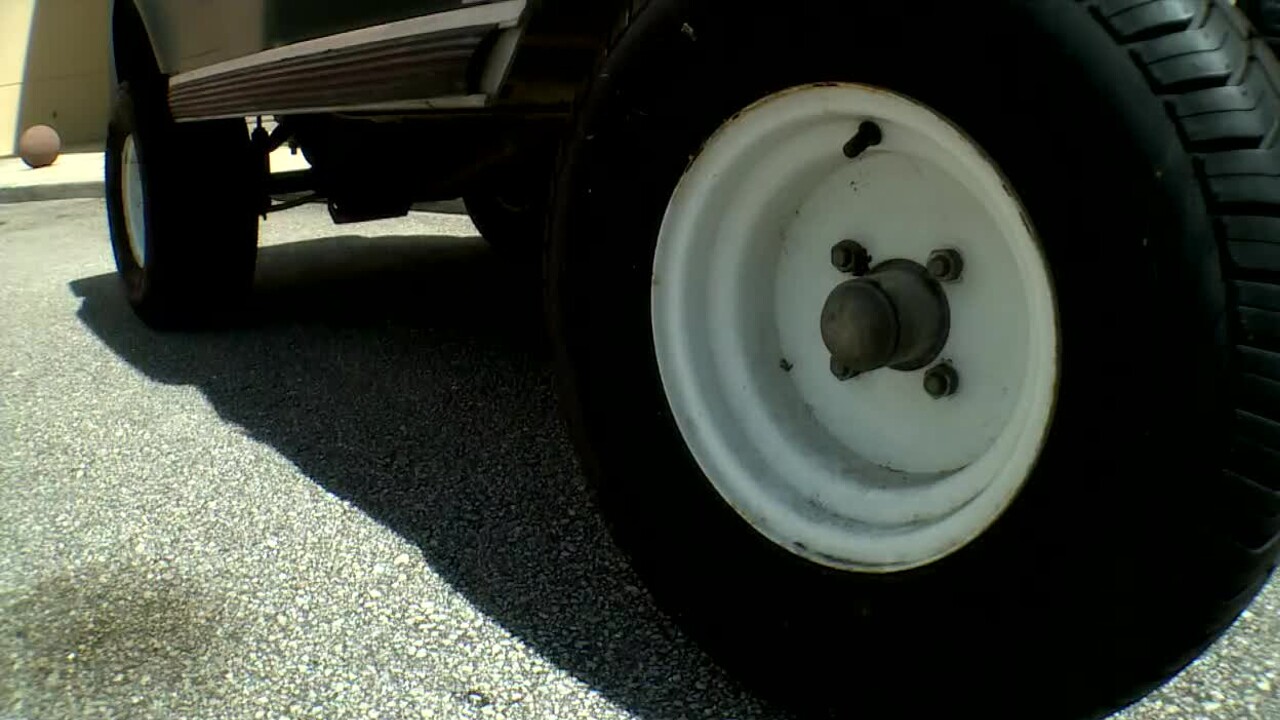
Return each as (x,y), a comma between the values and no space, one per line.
(1142,139)
(200,192)
(510,209)
(510,226)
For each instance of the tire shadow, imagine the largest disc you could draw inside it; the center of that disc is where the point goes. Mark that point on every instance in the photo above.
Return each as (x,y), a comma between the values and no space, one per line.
(411,377)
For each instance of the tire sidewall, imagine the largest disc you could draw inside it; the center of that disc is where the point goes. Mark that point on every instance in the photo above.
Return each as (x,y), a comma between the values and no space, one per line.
(123,124)
(1125,226)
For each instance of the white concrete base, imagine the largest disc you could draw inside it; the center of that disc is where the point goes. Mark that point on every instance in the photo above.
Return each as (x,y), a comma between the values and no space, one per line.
(79,175)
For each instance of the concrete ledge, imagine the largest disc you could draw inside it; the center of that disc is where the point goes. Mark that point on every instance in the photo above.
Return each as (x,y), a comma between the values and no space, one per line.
(79,175)
(64,191)
(73,175)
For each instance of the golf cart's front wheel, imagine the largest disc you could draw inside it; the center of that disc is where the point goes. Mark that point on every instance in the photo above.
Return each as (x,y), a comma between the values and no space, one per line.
(182,207)
(951,367)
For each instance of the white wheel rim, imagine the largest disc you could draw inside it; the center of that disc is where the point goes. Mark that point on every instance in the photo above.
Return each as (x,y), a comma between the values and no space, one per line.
(134,213)
(872,474)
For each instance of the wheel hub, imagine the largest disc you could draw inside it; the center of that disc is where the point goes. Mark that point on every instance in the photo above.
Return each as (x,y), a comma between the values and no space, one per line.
(893,470)
(134,201)
(895,316)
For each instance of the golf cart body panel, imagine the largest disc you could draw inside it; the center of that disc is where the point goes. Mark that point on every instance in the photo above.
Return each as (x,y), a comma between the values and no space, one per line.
(247,57)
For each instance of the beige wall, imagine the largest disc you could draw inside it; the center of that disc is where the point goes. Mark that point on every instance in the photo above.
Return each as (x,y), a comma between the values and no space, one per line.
(53,70)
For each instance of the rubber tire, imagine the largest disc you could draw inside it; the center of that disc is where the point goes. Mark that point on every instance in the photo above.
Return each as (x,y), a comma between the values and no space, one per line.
(510,210)
(200,187)
(1265,16)
(1142,139)
(512,229)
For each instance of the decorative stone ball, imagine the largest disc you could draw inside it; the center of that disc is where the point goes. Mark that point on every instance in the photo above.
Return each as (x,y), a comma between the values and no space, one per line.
(39,145)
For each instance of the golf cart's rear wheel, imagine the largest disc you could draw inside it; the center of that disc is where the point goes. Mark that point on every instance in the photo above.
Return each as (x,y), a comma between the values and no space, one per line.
(509,207)
(934,348)
(182,204)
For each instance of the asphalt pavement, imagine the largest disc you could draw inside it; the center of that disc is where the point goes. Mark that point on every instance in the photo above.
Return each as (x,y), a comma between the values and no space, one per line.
(360,505)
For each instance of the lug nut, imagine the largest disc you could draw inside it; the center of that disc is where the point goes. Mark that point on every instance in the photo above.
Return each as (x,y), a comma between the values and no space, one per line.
(945,265)
(841,371)
(941,381)
(849,256)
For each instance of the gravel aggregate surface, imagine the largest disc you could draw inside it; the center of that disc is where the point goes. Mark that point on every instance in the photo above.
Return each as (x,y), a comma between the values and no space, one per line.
(360,505)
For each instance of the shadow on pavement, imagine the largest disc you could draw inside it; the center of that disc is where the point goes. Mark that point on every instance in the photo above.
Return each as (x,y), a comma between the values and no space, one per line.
(409,375)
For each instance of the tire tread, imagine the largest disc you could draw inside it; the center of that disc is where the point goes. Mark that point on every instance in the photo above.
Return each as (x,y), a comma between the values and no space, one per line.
(1221,86)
